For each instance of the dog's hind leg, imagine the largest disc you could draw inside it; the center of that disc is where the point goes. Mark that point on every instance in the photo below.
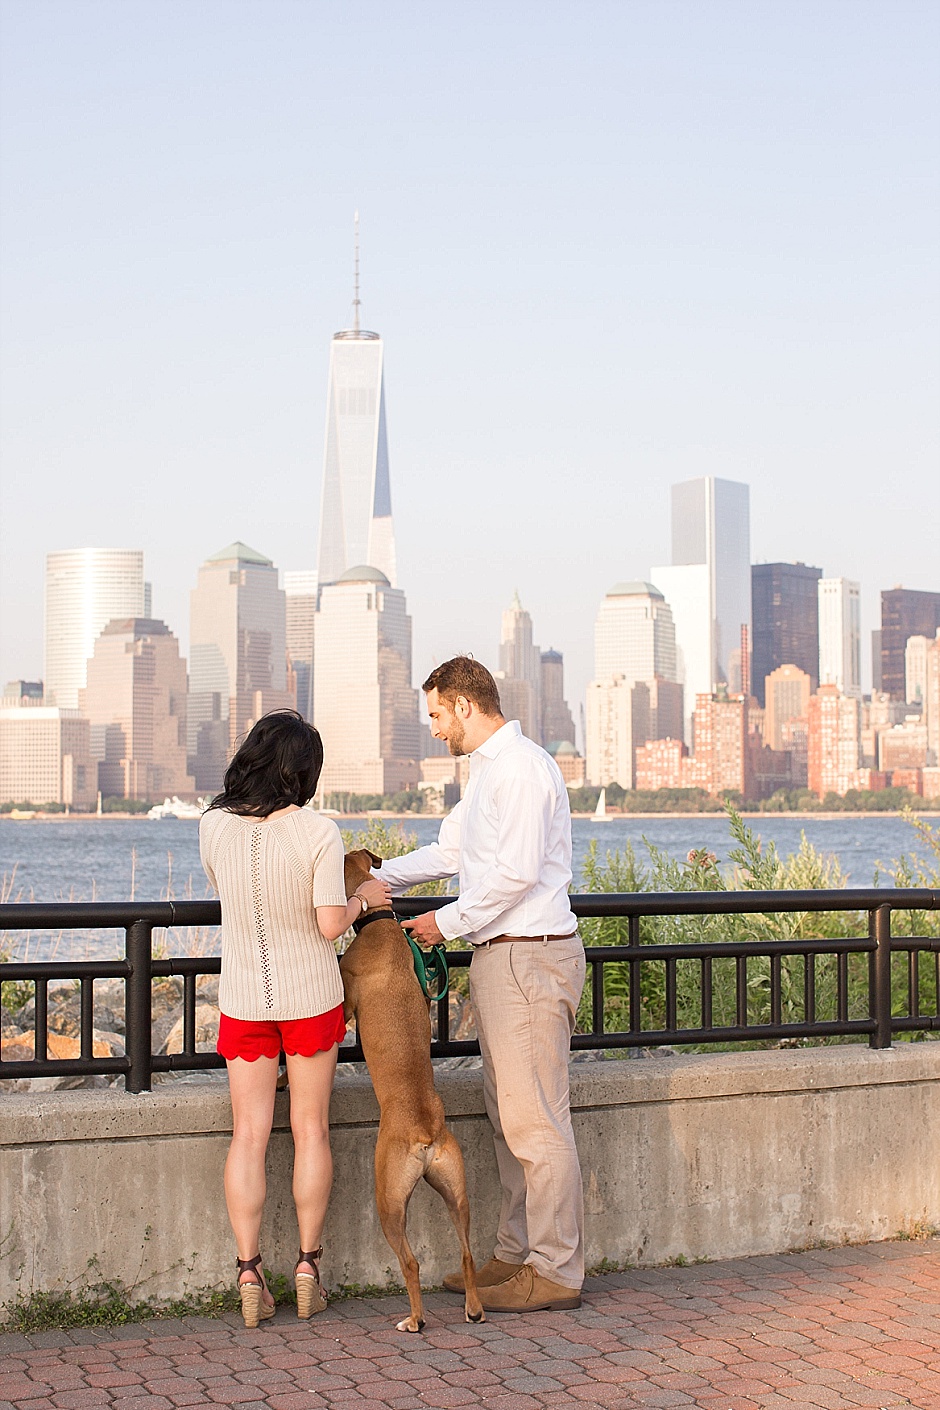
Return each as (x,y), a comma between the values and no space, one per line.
(397,1170)
(446,1174)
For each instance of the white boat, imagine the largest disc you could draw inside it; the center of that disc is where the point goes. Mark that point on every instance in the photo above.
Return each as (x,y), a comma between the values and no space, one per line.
(600,812)
(175,808)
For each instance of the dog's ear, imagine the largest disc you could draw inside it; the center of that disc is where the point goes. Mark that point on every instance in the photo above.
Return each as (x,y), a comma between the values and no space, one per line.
(376,861)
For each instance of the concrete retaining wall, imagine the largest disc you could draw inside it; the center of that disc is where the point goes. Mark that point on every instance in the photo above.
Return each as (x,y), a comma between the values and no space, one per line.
(693,1156)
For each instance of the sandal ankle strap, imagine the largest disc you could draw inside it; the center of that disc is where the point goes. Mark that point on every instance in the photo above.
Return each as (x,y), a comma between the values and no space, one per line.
(311,1257)
(250,1265)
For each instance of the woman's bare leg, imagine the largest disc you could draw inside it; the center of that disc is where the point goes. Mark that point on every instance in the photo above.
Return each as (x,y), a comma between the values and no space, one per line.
(252,1086)
(311,1081)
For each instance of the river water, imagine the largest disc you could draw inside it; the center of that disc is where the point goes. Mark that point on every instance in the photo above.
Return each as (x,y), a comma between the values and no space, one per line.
(102,859)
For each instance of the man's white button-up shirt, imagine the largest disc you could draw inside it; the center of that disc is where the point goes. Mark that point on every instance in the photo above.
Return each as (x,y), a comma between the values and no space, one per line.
(509,838)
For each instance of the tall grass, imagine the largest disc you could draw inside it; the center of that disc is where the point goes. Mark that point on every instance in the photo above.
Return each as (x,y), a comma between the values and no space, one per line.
(750,865)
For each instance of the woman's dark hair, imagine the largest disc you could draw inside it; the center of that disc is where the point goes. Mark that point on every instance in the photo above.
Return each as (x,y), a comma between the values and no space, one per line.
(277,763)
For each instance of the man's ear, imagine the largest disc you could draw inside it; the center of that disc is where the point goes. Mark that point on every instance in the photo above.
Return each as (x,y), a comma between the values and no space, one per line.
(462,707)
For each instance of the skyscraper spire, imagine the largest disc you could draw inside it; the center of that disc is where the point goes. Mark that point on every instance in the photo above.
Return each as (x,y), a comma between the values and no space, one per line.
(356,299)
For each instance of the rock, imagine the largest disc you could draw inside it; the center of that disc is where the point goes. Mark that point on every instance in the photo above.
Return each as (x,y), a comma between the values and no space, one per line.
(162,1028)
(18,1048)
(65,1008)
(460,1014)
(207,1031)
(9,1022)
(166,996)
(207,989)
(21,1047)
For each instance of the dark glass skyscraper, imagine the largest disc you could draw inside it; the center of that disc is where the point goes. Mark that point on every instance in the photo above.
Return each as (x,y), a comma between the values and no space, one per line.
(785,621)
(904,613)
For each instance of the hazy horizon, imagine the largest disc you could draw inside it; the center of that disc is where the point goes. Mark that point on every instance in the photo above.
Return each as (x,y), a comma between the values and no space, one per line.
(608,246)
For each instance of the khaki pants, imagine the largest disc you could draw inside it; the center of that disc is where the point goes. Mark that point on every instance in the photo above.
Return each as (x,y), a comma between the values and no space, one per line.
(525,995)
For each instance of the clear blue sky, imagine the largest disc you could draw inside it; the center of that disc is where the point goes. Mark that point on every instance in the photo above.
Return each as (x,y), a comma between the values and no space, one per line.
(609,246)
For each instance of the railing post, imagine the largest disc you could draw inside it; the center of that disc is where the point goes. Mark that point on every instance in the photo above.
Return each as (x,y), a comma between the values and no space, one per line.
(880,928)
(137,1005)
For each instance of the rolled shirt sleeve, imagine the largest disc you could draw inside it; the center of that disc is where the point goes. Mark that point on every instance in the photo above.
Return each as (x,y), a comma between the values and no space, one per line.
(434,862)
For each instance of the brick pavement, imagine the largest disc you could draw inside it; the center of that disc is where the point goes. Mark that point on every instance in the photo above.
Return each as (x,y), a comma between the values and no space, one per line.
(831,1328)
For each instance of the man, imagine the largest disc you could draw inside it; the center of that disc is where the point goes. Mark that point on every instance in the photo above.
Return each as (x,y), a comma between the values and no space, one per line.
(510,841)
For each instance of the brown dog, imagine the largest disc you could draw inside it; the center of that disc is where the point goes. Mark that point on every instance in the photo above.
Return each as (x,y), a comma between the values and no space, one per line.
(392,1015)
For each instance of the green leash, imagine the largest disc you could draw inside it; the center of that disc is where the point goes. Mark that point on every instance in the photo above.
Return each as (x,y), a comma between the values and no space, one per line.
(430,968)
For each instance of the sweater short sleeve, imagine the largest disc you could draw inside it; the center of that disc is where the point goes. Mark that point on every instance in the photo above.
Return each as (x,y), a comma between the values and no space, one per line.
(207,831)
(329,888)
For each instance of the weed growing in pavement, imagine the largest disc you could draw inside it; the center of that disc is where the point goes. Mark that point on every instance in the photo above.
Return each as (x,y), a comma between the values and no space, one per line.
(607,1265)
(917,1230)
(344,1290)
(109,1303)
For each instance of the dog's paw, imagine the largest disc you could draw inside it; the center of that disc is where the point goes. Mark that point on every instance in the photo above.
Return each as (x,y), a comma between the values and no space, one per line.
(475,1316)
(411,1324)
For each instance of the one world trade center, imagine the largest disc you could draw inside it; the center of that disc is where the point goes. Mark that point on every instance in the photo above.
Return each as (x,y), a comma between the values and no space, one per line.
(356,507)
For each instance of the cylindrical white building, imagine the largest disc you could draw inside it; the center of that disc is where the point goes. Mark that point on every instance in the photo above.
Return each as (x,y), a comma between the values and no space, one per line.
(85,589)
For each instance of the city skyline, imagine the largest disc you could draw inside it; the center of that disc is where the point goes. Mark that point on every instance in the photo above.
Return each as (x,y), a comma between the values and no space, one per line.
(636,267)
(80,581)
(139,711)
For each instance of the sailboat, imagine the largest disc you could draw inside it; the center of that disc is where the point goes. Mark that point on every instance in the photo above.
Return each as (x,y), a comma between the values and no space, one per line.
(600,812)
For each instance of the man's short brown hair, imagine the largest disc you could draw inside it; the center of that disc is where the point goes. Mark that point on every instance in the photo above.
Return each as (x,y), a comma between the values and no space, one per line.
(461,675)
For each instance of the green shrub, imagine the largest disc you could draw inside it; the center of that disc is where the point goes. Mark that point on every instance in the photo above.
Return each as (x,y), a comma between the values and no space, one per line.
(752,865)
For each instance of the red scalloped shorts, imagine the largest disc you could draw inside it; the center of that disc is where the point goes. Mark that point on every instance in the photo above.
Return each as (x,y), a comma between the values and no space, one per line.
(244,1038)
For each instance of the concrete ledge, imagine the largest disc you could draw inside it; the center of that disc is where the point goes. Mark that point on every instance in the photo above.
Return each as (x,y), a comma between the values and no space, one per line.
(693,1156)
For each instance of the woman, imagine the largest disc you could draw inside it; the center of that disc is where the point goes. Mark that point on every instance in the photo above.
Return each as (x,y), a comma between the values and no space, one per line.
(278,868)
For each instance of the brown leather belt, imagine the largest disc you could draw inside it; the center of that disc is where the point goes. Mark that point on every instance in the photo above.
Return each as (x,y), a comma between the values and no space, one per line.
(511,939)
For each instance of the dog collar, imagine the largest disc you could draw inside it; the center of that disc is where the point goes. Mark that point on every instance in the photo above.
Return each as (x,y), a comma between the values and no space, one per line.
(369,917)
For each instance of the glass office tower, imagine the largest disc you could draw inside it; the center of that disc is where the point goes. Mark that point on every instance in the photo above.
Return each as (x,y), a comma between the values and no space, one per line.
(237,657)
(300,591)
(135,702)
(520,670)
(904,613)
(708,585)
(356,504)
(363,702)
(785,611)
(85,589)
(840,635)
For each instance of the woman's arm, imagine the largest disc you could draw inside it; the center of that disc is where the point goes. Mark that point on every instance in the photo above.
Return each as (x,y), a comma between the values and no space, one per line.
(334,921)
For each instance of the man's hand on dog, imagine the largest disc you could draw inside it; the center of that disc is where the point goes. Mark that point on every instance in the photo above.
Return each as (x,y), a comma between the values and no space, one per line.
(424,929)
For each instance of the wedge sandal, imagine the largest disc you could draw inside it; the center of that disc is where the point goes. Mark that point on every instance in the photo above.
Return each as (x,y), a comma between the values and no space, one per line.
(254,1308)
(311,1296)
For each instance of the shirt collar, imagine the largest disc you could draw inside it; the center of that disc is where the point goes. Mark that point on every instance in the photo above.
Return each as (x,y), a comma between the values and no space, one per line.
(500,739)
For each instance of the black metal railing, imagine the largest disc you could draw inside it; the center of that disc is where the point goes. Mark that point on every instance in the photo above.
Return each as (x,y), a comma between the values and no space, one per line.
(877,984)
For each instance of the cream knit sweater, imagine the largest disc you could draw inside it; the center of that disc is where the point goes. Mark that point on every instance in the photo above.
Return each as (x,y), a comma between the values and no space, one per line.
(270,877)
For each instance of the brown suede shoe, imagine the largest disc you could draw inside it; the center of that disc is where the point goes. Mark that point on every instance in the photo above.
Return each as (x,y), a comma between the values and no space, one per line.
(528,1291)
(491,1274)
